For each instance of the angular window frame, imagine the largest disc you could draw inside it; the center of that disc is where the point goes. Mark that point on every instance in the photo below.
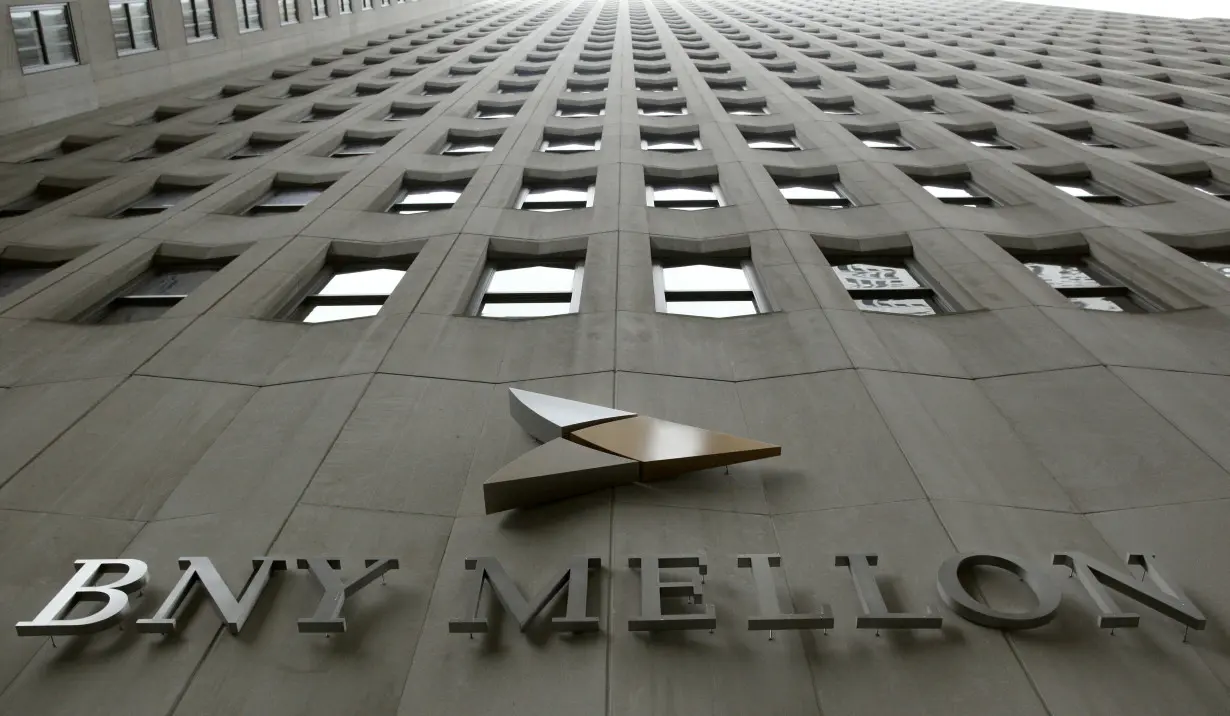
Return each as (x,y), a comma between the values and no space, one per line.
(129,297)
(1108,288)
(404,205)
(653,187)
(1097,193)
(194,24)
(754,293)
(149,203)
(358,147)
(299,308)
(527,190)
(592,142)
(40,19)
(484,296)
(249,15)
(925,291)
(260,207)
(978,197)
(843,200)
(125,26)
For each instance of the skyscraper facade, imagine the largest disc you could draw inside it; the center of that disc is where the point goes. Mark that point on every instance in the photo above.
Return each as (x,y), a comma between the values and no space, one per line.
(269,269)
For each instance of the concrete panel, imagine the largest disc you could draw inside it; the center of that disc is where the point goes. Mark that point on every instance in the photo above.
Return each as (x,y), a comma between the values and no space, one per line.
(32,417)
(1104,444)
(959,445)
(407,447)
(836,449)
(266,456)
(1198,405)
(128,454)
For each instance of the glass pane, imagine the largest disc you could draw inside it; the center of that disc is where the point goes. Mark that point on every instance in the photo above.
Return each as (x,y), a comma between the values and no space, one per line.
(523,310)
(1063,275)
(1093,303)
(1222,267)
(553,195)
(26,33)
(119,27)
(1077,190)
(669,145)
(771,144)
(948,191)
(704,277)
(711,309)
(581,145)
(176,282)
(291,197)
(142,26)
(443,197)
(868,275)
(325,314)
(905,306)
(362,282)
(532,279)
(682,193)
(470,148)
(802,191)
(131,314)
(883,143)
(14,278)
(162,198)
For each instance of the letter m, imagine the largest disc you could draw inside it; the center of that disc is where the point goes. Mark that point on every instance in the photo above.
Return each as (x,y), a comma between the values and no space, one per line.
(487,570)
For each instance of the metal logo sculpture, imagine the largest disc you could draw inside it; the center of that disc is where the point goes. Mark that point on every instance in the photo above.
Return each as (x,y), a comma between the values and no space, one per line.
(588,447)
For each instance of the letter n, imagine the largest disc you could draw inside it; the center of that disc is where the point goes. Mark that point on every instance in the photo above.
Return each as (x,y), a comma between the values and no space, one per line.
(1159,596)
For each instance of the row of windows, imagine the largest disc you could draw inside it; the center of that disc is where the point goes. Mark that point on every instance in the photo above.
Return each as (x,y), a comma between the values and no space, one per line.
(45,39)
(415,197)
(520,289)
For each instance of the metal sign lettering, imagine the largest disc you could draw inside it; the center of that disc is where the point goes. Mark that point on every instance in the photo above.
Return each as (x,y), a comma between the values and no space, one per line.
(199,573)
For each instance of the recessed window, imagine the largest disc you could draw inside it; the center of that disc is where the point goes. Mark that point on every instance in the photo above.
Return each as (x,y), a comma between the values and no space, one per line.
(40,197)
(922,107)
(44,35)
(1206,184)
(356,147)
(249,12)
(285,199)
(570,145)
(518,290)
(1086,190)
(348,291)
(746,110)
(685,196)
(656,86)
(772,141)
(827,193)
(892,141)
(419,198)
(959,192)
(830,107)
(509,88)
(887,286)
(16,274)
(320,9)
(726,85)
(321,114)
(646,109)
(1188,136)
(459,145)
(552,197)
(368,90)
(1084,283)
(159,148)
(257,148)
(198,19)
(988,140)
(241,115)
(676,142)
(585,86)
(160,198)
(132,26)
(288,11)
(153,293)
(485,112)
(1006,105)
(720,289)
(401,113)
(578,111)
(1088,137)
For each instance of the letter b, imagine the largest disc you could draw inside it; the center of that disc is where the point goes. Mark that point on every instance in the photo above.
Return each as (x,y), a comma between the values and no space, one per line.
(81,588)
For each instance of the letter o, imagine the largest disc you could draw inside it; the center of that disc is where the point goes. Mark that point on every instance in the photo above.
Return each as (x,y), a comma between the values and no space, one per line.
(964,605)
